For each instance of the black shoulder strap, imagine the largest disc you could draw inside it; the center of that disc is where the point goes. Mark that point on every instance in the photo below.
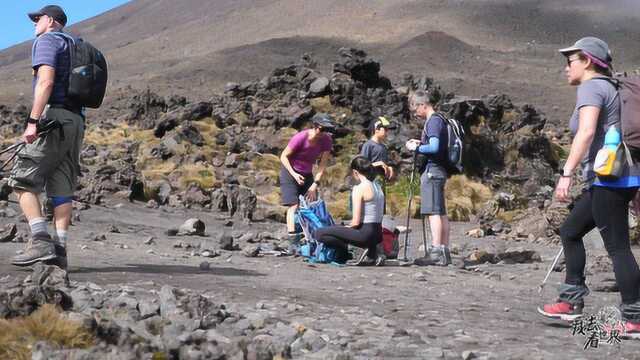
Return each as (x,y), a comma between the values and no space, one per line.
(610,80)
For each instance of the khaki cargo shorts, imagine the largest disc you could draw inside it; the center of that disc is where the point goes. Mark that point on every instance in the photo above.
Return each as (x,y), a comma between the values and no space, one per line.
(52,162)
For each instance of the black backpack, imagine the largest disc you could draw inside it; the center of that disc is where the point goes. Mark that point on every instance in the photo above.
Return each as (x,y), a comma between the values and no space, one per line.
(455,137)
(87,73)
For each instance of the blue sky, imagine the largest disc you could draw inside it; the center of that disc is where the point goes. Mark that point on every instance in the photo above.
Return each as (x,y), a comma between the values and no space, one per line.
(18,28)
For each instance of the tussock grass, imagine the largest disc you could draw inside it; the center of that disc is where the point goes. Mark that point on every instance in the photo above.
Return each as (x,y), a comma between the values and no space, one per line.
(201,174)
(323,104)
(397,196)
(153,169)
(339,208)
(465,197)
(17,336)
(268,165)
(120,133)
(272,198)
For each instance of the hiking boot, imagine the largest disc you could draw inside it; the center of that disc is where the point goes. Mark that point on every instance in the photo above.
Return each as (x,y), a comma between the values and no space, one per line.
(294,243)
(39,248)
(562,310)
(61,257)
(436,255)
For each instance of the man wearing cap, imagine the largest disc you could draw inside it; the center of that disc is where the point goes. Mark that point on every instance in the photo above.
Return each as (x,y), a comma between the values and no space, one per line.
(375,150)
(50,162)
(604,201)
(296,172)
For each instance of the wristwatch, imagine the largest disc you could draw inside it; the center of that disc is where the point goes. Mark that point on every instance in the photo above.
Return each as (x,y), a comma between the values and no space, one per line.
(31,120)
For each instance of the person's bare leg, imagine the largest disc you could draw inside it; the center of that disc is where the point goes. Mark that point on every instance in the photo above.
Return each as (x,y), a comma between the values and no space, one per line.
(62,220)
(436,225)
(446,229)
(30,204)
(62,216)
(291,224)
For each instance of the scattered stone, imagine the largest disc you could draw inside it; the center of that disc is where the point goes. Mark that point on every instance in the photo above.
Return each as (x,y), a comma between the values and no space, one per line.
(251,251)
(476,233)
(209,253)
(205,266)
(149,241)
(101,237)
(226,243)
(419,276)
(192,227)
(8,233)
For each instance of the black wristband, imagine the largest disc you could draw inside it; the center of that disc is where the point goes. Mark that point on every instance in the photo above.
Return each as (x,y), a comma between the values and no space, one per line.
(31,120)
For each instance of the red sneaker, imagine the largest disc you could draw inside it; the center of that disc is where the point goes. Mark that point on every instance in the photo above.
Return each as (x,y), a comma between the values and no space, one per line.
(562,310)
(631,330)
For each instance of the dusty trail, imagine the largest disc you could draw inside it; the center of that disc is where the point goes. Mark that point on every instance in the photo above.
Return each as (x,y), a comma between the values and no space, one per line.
(415,312)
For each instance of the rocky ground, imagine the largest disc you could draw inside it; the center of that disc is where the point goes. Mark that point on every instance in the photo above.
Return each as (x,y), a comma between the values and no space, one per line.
(143,292)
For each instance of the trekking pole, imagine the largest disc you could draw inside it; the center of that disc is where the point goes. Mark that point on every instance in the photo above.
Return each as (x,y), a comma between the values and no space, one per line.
(9,148)
(424,236)
(18,147)
(406,234)
(553,265)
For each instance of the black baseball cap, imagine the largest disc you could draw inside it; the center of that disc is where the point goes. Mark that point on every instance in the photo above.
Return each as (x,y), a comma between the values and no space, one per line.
(324,121)
(53,11)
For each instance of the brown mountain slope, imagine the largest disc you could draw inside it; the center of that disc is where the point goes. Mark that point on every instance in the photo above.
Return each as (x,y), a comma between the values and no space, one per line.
(490,46)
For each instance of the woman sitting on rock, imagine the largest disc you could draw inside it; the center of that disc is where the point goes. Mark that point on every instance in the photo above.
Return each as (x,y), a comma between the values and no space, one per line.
(296,172)
(604,203)
(365,230)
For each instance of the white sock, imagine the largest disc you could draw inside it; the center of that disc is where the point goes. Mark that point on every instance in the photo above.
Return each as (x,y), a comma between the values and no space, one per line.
(62,237)
(38,225)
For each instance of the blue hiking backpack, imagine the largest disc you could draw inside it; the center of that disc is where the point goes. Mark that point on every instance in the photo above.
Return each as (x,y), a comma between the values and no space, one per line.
(311,217)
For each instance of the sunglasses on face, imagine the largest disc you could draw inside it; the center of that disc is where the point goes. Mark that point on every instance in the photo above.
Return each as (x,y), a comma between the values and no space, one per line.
(37,18)
(572,59)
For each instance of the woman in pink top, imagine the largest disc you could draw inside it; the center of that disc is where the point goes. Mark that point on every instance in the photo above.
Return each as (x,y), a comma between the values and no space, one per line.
(296,172)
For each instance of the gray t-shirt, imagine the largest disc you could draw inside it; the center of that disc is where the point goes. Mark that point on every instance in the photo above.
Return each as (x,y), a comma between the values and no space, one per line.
(603,95)
(52,50)
(374,151)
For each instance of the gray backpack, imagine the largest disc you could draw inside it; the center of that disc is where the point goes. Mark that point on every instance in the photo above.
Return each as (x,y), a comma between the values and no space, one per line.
(629,92)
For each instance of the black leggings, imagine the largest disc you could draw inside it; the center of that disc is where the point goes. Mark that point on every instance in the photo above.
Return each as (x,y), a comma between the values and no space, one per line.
(606,208)
(338,237)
